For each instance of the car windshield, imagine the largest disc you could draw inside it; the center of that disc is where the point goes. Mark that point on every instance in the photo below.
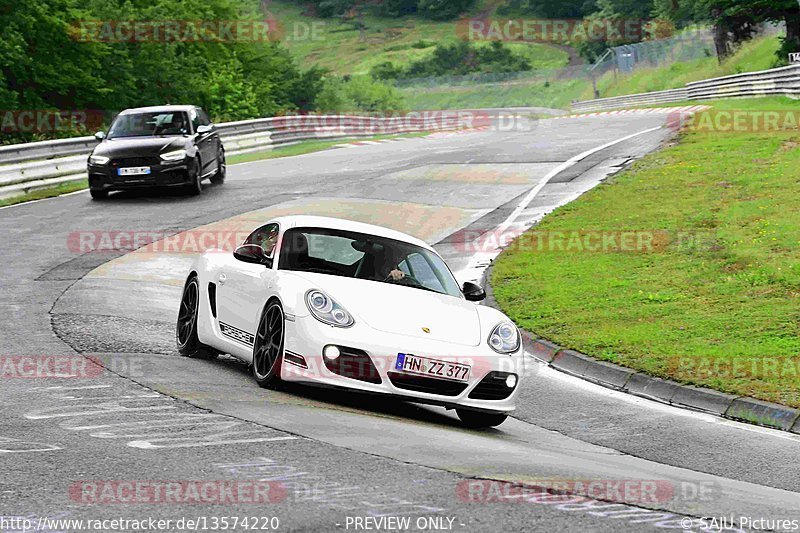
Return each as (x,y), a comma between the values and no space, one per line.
(151,124)
(369,257)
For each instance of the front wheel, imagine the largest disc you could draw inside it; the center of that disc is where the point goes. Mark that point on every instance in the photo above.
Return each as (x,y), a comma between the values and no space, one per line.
(477,419)
(98,194)
(268,347)
(222,168)
(195,186)
(186,329)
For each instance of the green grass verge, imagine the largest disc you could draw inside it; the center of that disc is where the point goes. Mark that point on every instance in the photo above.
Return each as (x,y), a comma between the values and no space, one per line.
(49,192)
(557,95)
(758,54)
(719,307)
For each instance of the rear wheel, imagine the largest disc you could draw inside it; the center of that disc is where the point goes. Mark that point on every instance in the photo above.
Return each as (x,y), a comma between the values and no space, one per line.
(186,330)
(268,347)
(222,168)
(477,419)
(98,194)
(195,186)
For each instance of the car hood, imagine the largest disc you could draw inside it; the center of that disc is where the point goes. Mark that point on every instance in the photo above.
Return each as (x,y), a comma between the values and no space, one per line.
(139,146)
(403,310)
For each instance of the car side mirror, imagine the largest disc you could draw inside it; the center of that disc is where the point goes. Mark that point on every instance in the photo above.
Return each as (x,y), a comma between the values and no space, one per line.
(252,253)
(100,135)
(473,292)
(205,128)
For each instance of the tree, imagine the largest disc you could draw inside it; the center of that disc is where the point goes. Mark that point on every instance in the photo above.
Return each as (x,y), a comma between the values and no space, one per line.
(50,60)
(735,20)
(787,11)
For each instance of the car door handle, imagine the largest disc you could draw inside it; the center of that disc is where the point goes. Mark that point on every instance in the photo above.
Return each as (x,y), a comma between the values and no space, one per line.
(222,279)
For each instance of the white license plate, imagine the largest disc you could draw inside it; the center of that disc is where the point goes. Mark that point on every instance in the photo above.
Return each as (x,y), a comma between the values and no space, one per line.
(133,171)
(423,366)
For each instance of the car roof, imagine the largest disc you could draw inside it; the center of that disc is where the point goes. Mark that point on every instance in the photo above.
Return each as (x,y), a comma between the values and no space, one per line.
(311,221)
(165,108)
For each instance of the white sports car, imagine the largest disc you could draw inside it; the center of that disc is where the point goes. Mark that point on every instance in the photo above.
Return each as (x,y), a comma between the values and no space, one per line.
(343,304)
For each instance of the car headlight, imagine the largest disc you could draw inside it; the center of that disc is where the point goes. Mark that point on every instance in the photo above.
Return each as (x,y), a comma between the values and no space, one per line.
(325,309)
(177,155)
(504,338)
(99,159)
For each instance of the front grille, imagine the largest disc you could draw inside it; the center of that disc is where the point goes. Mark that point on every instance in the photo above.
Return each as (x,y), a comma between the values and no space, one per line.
(492,387)
(354,364)
(96,179)
(135,162)
(429,385)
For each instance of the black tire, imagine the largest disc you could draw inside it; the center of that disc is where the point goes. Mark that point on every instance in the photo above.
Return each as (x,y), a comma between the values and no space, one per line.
(186,328)
(222,168)
(268,346)
(98,194)
(195,186)
(477,419)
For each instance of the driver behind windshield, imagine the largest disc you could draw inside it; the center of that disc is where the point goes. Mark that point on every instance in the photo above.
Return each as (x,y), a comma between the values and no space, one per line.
(391,265)
(357,255)
(382,263)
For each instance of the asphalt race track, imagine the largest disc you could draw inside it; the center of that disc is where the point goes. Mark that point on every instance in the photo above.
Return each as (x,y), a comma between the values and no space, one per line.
(152,416)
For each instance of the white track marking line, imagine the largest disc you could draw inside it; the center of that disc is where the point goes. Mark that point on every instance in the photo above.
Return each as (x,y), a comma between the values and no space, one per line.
(480,261)
(558,170)
(148,444)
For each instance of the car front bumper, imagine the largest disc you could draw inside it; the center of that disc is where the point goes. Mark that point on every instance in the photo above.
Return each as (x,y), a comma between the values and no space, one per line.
(303,361)
(106,177)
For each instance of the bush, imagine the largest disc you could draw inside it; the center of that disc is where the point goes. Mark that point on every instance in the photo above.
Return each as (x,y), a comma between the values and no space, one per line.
(357,94)
(386,71)
(333,97)
(457,59)
(422,44)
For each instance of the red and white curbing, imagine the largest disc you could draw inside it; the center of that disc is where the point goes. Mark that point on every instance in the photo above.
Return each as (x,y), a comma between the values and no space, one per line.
(642,111)
(369,143)
(441,134)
